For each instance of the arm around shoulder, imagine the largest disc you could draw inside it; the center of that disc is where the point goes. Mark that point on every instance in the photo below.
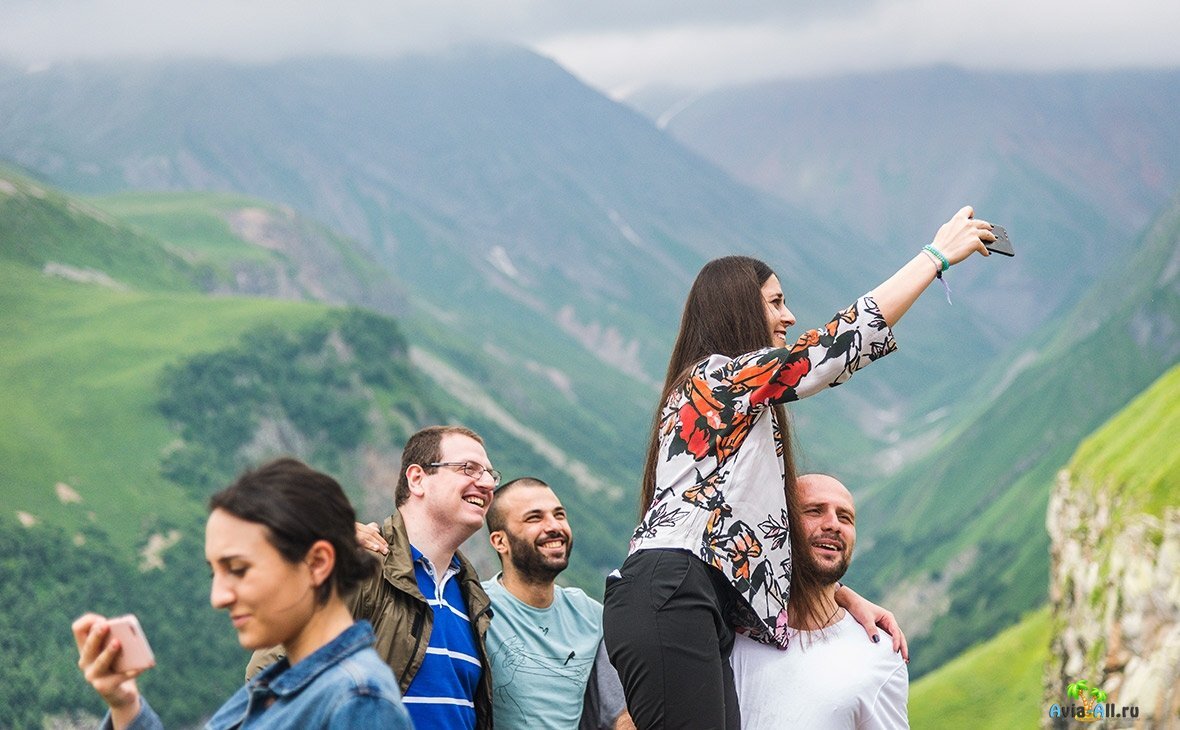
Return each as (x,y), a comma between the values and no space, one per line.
(263,658)
(604,706)
(870,616)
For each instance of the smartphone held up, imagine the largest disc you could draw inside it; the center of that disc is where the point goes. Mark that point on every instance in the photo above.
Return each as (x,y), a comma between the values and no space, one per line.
(1001,245)
(136,653)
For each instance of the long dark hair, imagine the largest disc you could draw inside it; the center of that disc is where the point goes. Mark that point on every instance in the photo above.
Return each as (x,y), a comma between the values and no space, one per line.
(299,506)
(725,314)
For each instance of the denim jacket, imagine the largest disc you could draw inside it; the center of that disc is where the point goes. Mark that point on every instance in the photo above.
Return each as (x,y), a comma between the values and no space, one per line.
(343,684)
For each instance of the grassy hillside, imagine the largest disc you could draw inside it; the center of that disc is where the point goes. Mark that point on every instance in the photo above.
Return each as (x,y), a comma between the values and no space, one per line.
(99,356)
(994,685)
(550,401)
(250,246)
(43,227)
(1135,454)
(78,370)
(1113,520)
(80,450)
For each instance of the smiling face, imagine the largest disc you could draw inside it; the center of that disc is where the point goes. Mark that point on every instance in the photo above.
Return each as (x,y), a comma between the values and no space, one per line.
(828,520)
(536,539)
(449,495)
(778,317)
(268,599)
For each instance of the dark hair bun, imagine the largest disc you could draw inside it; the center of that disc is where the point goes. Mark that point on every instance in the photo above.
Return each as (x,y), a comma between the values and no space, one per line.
(300,506)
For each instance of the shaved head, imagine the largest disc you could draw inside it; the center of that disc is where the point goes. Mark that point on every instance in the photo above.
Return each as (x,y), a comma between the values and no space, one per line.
(828,521)
(820,483)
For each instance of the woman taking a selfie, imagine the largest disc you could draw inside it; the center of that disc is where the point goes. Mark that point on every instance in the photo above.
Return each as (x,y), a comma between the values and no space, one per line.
(282,546)
(712,554)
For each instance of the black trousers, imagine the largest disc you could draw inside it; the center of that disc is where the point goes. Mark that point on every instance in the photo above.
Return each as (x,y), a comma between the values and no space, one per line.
(666,632)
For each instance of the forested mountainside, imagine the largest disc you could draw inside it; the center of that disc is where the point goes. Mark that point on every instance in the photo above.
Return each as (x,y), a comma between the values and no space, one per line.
(131,394)
(535,240)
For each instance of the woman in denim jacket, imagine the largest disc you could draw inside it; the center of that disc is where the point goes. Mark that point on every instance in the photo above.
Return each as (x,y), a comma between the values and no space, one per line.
(281,543)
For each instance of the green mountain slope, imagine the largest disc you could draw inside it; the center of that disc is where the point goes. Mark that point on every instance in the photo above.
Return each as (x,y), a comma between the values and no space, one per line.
(89,519)
(546,234)
(1115,533)
(1134,456)
(105,461)
(44,228)
(248,246)
(974,541)
(84,504)
(994,685)
(78,370)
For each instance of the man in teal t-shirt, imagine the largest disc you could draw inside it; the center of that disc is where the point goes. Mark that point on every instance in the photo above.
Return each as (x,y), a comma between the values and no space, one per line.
(545,641)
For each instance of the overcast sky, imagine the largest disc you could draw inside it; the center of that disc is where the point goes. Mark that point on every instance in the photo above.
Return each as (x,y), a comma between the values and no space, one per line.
(619,45)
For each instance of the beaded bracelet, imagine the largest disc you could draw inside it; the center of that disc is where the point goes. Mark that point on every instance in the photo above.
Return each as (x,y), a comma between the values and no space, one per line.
(938,259)
(946,264)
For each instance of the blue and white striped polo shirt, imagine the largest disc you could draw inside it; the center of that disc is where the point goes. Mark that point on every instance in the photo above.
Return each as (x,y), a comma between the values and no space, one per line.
(442,693)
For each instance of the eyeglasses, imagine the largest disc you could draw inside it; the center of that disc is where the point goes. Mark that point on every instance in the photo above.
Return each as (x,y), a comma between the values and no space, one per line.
(472,469)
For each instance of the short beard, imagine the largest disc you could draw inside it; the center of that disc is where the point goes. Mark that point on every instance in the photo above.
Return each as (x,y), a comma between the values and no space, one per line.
(532,566)
(827,575)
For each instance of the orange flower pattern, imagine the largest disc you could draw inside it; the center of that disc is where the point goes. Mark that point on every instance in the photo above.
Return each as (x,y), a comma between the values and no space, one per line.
(720,469)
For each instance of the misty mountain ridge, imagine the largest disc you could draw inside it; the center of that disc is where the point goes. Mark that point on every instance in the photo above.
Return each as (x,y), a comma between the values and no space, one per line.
(778,132)
(522,211)
(505,196)
(1073,164)
(499,149)
(542,237)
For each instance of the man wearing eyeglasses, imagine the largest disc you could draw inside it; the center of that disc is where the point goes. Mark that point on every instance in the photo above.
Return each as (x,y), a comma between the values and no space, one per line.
(428,610)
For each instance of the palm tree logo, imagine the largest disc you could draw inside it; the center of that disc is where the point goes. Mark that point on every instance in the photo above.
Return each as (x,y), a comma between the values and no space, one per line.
(1090,697)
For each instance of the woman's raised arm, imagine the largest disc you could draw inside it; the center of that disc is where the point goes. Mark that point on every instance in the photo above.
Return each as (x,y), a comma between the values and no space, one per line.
(957,239)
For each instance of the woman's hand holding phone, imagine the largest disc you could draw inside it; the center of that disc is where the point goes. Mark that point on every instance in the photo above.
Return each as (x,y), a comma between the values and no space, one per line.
(963,235)
(100,643)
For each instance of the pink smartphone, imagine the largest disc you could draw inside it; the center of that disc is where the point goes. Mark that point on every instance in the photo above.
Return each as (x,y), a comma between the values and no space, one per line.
(136,652)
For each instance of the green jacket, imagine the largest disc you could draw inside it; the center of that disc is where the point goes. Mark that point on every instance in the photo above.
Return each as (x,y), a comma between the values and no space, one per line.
(402,618)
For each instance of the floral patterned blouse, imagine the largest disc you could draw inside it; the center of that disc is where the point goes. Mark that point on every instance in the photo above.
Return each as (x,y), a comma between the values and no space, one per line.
(719,478)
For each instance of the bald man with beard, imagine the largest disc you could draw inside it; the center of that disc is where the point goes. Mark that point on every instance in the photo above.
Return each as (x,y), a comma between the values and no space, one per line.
(830,675)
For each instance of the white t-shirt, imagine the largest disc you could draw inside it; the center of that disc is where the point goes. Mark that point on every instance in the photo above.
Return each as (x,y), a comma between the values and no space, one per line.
(834,679)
